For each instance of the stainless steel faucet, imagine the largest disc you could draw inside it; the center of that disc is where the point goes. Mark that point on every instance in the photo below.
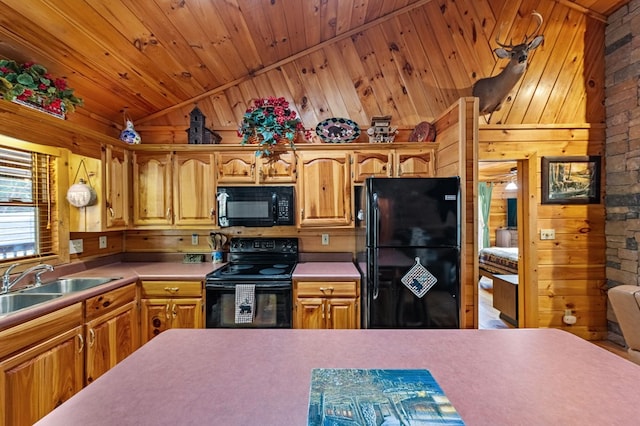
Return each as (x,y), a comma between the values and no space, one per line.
(38,269)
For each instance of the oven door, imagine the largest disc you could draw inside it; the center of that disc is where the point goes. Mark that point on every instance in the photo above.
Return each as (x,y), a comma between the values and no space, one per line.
(266,305)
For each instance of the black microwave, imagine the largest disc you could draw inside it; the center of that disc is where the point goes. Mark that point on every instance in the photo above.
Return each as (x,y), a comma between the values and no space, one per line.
(255,205)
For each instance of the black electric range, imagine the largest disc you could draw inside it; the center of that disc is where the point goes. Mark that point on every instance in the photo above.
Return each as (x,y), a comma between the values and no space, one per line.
(258,259)
(255,288)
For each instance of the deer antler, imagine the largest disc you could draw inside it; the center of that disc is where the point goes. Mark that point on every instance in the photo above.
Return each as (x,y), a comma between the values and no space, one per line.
(535,33)
(526,37)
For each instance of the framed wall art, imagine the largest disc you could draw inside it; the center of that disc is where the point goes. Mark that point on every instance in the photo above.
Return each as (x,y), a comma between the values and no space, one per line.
(571,180)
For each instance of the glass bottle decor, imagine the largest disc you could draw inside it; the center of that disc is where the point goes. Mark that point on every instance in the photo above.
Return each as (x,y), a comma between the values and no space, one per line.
(129,134)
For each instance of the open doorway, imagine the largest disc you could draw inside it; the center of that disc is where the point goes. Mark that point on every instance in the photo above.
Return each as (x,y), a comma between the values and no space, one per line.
(498,244)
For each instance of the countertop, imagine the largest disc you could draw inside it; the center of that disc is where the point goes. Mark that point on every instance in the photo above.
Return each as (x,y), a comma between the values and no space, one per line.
(326,270)
(262,377)
(126,272)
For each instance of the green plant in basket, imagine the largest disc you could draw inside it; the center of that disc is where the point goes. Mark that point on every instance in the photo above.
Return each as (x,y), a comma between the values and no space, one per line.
(269,122)
(32,83)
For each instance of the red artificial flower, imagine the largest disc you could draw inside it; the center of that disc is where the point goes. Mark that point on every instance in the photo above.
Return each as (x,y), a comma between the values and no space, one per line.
(60,83)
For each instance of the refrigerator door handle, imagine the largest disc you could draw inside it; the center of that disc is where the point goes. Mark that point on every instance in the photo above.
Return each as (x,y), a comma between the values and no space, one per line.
(376,225)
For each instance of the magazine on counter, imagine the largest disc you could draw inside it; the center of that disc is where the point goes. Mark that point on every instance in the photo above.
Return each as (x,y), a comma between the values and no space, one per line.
(373,397)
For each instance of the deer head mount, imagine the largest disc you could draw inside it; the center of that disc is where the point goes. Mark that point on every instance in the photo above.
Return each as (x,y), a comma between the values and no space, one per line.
(493,90)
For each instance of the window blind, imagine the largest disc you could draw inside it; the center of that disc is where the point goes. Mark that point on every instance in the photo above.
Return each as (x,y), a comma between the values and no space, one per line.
(27,204)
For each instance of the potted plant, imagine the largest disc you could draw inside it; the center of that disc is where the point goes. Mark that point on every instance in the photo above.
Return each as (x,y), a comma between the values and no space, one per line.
(269,122)
(30,84)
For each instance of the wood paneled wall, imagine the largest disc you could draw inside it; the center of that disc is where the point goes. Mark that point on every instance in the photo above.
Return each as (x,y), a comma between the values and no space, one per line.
(570,269)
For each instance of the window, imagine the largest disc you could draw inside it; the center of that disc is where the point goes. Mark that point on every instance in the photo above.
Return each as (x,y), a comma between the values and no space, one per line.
(27,205)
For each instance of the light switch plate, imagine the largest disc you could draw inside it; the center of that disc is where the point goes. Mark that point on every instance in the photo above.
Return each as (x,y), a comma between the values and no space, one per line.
(102,242)
(325,239)
(547,234)
(75,246)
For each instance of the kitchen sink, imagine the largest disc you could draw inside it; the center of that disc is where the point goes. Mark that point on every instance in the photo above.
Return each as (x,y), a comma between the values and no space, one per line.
(12,302)
(67,285)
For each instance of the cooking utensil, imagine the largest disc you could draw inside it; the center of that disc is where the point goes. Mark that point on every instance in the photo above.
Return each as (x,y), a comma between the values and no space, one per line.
(217,241)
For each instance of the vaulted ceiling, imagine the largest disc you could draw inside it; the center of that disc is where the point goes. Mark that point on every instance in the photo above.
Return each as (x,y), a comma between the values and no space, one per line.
(155,58)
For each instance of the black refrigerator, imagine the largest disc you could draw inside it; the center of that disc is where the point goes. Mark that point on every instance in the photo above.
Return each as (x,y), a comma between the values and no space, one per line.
(408,251)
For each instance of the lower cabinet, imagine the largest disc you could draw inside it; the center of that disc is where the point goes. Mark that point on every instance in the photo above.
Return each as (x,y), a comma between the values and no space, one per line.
(36,380)
(170,304)
(111,330)
(326,304)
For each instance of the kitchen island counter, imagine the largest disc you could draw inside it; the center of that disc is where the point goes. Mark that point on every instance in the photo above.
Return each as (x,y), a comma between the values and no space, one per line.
(262,377)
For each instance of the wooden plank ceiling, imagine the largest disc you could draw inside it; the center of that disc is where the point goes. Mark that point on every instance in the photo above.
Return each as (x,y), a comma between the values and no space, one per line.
(155,59)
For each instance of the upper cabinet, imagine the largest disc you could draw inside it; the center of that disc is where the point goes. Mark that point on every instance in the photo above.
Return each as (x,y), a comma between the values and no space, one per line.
(173,189)
(404,162)
(176,186)
(109,177)
(324,188)
(244,167)
(152,204)
(194,189)
(116,175)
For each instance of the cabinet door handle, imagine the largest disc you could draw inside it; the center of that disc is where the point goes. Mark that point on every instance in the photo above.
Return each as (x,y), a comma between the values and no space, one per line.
(81,339)
(92,337)
(323,311)
(329,311)
(173,311)
(113,214)
(172,290)
(326,289)
(166,311)
(168,212)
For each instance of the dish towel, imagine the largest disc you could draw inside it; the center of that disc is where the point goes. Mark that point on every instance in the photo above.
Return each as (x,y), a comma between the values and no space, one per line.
(245,301)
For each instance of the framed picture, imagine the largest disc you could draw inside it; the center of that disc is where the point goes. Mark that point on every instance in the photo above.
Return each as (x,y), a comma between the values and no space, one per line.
(571,180)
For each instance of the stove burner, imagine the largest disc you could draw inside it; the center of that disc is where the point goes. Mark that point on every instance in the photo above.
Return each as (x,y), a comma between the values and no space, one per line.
(240,267)
(271,271)
(280,265)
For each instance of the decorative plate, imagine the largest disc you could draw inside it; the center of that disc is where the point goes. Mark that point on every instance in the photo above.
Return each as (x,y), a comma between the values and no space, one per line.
(338,130)
(424,132)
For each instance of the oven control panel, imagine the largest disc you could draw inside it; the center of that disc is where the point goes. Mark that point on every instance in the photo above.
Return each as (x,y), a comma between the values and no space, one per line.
(264,245)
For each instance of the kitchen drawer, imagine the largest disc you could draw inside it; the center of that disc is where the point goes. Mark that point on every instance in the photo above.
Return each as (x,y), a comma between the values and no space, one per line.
(171,289)
(326,288)
(106,302)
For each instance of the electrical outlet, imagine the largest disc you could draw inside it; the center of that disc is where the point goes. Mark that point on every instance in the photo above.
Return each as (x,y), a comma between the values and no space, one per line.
(102,242)
(325,239)
(75,246)
(194,239)
(547,234)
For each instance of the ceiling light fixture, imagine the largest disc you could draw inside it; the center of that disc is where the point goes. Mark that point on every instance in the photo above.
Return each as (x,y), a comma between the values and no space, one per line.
(511,186)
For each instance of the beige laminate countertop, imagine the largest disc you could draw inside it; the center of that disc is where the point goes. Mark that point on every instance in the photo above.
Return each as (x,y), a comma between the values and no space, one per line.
(126,272)
(326,270)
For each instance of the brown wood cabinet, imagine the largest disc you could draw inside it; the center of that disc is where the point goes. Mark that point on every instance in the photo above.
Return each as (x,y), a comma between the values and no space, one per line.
(194,189)
(324,189)
(244,167)
(111,330)
(41,365)
(170,304)
(152,189)
(116,177)
(173,189)
(405,162)
(326,304)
